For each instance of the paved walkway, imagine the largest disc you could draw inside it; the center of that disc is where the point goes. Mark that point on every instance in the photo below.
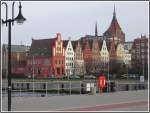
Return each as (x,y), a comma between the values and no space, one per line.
(138,101)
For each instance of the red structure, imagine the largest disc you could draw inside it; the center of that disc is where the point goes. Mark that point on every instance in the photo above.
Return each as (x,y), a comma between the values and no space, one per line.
(139,51)
(115,30)
(102,82)
(87,55)
(46,57)
(112,51)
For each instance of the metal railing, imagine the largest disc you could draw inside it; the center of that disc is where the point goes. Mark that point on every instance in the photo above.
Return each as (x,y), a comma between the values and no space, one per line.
(65,88)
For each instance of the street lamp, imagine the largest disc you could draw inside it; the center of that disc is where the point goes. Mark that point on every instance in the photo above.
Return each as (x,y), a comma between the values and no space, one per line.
(108,78)
(19,19)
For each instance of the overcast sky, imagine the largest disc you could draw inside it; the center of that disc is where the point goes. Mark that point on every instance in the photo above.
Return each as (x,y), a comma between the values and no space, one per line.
(75,19)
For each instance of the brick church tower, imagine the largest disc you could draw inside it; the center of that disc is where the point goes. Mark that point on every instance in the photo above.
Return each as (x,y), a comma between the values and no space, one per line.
(114,31)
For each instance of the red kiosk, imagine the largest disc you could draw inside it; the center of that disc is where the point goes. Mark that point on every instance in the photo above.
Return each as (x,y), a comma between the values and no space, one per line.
(102,82)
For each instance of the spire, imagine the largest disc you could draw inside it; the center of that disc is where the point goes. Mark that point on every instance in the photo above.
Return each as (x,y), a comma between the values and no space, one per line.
(96,33)
(114,13)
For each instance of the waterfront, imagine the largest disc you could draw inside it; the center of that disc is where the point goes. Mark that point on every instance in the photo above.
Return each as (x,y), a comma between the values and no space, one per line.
(64,102)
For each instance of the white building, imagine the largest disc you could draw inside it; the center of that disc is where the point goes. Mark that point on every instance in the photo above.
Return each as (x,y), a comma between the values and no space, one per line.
(69,58)
(79,60)
(104,53)
(120,52)
(127,57)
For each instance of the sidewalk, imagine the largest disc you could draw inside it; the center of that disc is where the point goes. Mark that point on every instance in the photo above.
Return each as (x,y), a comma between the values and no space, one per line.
(61,103)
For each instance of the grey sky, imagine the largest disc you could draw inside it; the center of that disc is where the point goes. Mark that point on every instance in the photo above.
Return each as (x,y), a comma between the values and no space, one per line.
(76,19)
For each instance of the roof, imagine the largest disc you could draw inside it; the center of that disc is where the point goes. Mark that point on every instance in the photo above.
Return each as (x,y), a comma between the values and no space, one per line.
(42,47)
(17,48)
(100,43)
(138,40)
(90,43)
(114,26)
(74,44)
(108,44)
(65,43)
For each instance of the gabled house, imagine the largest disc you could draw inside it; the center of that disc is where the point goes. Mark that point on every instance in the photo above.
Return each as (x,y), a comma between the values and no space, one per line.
(120,51)
(46,57)
(78,58)
(69,58)
(95,56)
(112,51)
(87,55)
(104,53)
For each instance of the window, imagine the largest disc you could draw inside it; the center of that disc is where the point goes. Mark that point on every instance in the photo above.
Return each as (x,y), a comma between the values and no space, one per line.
(142,50)
(56,62)
(58,43)
(142,56)
(142,44)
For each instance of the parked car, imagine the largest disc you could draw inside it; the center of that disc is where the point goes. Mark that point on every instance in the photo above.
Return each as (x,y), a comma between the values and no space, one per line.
(74,77)
(89,77)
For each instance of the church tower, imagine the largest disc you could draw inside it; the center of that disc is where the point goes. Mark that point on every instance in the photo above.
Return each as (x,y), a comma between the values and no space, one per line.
(96,32)
(114,31)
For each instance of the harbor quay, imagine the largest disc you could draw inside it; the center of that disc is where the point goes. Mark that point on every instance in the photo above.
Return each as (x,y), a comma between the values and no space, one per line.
(118,101)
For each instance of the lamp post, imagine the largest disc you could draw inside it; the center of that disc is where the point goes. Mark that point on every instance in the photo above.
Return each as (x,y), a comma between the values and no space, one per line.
(33,63)
(108,79)
(19,19)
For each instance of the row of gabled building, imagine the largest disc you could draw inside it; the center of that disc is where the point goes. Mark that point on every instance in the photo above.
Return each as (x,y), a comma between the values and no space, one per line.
(57,57)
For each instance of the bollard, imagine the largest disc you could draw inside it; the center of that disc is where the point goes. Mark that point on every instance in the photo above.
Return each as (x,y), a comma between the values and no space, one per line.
(70,87)
(46,88)
(82,88)
(112,87)
(62,87)
(20,92)
(12,86)
(27,86)
(135,87)
(127,87)
(93,90)
(22,86)
(139,86)
(58,89)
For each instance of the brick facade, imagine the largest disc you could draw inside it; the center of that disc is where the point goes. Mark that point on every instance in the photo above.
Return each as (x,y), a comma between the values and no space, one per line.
(139,51)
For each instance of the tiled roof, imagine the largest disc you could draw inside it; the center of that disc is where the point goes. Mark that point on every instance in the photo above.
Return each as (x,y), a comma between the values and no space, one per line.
(108,44)
(74,44)
(100,43)
(65,43)
(90,43)
(114,26)
(42,47)
(17,48)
